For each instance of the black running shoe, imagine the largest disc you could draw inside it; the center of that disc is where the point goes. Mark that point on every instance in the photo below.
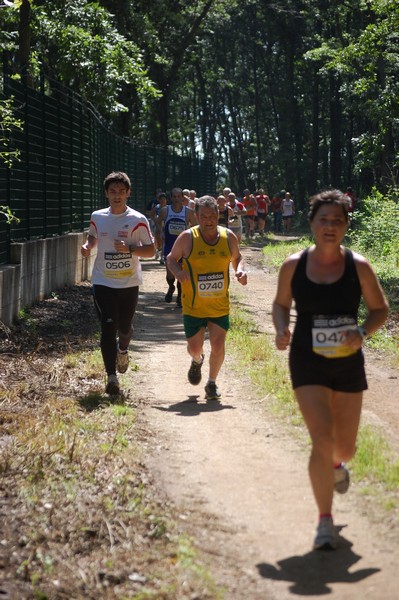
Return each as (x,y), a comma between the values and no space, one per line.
(112,388)
(169,293)
(194,372)
(212,392)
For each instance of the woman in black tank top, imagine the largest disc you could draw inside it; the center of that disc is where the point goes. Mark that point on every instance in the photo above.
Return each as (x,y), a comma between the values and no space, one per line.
(326,361)
(225,211)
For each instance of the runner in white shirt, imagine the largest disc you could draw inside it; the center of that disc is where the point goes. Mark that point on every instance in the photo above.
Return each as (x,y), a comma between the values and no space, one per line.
(288,211)
(122,236)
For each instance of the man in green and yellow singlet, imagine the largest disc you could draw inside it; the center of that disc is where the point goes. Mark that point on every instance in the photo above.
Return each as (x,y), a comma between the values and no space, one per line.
(200,260)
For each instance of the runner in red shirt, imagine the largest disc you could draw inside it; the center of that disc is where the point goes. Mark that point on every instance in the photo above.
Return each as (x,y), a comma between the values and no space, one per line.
(263,202)
(249,202)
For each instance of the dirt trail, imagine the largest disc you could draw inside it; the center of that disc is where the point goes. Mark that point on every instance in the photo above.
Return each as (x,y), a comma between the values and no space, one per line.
(239,478)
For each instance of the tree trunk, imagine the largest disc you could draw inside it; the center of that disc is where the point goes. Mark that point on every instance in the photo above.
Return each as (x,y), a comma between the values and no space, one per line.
(24,39)
(335,133)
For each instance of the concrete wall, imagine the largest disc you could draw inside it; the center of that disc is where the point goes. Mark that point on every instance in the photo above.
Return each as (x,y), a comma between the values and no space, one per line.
(38,268)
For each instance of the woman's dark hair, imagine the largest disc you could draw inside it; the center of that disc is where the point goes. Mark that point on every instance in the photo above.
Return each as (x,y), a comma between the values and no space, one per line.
(328,197)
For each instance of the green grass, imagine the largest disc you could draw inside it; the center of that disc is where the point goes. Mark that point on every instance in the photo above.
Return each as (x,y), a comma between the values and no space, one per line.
(267,369)
(375,460)
(276,253)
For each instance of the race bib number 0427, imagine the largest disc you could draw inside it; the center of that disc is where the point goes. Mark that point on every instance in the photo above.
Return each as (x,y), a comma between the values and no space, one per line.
(329,334)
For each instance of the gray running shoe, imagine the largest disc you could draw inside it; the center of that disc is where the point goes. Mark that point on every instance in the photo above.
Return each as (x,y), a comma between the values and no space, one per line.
(112,388)
(122,361)
(341,479)
(194,372)
(169,293)
(326,537)
(211,391)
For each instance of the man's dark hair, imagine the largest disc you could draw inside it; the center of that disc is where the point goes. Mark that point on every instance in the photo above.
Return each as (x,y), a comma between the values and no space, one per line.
(117,177)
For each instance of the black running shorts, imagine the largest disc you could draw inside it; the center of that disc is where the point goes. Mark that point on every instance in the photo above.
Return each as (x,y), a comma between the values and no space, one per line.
(339,374)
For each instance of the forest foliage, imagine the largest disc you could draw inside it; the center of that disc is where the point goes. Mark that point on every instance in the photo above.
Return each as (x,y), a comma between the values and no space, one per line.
(293,94)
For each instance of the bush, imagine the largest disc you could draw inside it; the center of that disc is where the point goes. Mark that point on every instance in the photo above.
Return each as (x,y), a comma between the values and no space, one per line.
(376,225)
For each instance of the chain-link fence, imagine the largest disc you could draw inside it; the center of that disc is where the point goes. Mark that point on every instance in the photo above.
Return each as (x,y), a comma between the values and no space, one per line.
(65,153)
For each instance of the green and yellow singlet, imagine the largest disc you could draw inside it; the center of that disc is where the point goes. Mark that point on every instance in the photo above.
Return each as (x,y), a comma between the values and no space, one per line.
(207,292)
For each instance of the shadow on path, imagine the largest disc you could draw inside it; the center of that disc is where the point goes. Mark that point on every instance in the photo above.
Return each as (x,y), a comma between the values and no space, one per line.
(191,407)
(313,573)
(155,321)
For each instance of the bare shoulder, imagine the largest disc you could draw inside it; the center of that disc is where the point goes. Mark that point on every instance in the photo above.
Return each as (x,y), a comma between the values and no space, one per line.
(359,258)
(231,235)
(286,273)
(363,266)
(184,243)
(290,263)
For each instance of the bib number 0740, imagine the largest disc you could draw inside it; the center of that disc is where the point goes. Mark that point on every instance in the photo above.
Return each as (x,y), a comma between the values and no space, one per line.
(206,286)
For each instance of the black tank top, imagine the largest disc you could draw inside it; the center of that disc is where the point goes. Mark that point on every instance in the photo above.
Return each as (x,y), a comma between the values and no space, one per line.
(223,217)
(339,298)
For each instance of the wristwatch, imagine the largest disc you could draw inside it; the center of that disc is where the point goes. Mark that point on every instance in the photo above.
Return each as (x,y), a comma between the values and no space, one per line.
(362,331)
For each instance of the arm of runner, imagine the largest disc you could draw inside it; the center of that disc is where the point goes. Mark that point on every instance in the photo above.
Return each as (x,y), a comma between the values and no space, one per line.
(141,244)
(159,221)
(191,218)
(282,303)
(143,250)
(180,249)
(237,260)
(375,301)
(87,247)
(230,213)
(140,250)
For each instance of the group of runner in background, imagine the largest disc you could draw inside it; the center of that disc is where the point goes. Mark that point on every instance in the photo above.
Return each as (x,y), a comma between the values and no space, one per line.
(247,214)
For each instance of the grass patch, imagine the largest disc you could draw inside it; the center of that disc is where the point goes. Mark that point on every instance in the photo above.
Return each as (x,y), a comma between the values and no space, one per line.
(84,519)
(85,506)
(375,460)
(276,253)
(89,363)
(268,371)
(188,557)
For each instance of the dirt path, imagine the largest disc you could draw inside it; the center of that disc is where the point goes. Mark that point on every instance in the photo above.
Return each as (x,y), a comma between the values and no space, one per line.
(239,478)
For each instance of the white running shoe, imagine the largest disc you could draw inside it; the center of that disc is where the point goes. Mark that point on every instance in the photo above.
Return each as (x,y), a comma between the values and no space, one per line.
(341,479)
(122,360)
(326,537)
